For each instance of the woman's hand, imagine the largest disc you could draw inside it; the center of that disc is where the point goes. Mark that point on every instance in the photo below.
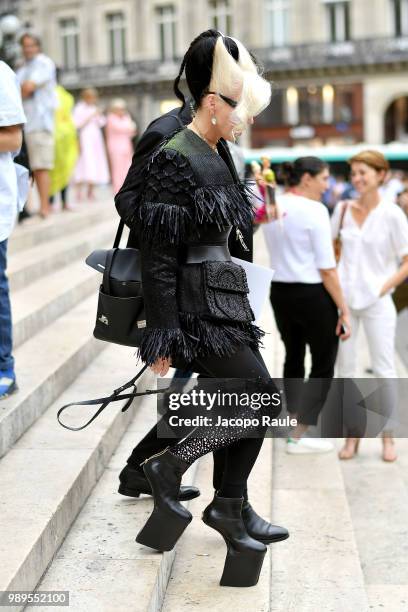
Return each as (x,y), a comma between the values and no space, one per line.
(343,328)
(161,366)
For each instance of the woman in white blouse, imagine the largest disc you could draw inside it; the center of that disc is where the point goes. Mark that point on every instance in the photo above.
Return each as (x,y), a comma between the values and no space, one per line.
(374,260)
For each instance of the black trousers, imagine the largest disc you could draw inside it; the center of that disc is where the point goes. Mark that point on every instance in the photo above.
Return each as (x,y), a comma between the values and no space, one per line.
(305,314)
(232,464)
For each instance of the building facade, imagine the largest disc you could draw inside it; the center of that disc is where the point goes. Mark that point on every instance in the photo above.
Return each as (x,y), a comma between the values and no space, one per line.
(339,67)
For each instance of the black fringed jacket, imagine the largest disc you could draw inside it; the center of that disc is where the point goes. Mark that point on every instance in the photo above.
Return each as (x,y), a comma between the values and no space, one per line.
(189,198)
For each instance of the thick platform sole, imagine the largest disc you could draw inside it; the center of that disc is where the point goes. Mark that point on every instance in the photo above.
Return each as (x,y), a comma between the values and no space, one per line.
(130,492)
(242,569)
(123,490)
(162,530)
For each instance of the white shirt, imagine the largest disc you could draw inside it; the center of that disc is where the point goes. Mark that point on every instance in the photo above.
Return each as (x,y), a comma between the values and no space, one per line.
(13,178)
(300,243)
(40,107)
(371,253)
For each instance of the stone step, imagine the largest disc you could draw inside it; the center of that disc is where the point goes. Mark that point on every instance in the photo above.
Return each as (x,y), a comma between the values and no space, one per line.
(194,582)
(31,264)
(319,568)
(45,365)
(99,562)
(36,231)
(377,494)
(50,472)
(46,299)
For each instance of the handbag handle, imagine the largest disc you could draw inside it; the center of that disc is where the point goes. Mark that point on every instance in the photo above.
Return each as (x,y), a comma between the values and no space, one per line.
(105,401)
(118,236)
(106,273)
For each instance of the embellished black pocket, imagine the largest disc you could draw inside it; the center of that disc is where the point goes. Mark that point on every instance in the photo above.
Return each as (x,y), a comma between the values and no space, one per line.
(226,291)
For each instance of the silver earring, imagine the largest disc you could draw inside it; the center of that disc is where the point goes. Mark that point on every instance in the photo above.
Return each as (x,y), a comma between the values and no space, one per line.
(214,120)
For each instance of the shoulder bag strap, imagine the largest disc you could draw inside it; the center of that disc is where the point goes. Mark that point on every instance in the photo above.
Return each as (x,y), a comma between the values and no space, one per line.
(342,215)
(119,233)
(116,396)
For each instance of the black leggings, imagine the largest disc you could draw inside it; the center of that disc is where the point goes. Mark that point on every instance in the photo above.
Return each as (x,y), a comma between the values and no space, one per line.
(234,449)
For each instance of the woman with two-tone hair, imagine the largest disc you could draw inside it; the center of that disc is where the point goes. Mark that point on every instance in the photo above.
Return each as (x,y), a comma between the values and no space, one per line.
(197,310)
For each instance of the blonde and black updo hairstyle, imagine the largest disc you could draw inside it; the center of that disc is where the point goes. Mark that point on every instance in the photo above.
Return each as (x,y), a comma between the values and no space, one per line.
(217,63)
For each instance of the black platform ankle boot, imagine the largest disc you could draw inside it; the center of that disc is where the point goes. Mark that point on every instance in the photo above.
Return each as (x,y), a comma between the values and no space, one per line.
(259,529)
(245,555)
(169,518)
(133,483)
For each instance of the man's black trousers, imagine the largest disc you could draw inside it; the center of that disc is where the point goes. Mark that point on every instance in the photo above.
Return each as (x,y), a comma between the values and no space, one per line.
(305,314)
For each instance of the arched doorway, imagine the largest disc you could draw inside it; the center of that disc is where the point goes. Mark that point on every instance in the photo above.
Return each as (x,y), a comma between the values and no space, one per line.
(396,120)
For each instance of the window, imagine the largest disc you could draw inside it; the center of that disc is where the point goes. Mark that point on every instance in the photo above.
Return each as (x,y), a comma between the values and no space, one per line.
(400,17)
(316,104)
(221,16)
(116,38)
(277,22)
(274,114)
(338,17)
(292,106)
(166,20)
(70,43)
(310,105)
(345,103)
(328,103)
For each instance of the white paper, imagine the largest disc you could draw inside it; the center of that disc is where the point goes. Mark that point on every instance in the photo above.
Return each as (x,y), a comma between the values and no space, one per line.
(259,282)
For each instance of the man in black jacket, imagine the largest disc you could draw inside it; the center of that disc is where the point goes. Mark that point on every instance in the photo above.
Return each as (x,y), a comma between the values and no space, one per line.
(132,479)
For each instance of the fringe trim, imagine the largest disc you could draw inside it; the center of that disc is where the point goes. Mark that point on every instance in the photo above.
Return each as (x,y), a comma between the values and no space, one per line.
(224,205)
(165,343)
(175,223)
(168,223)
(219,338)
(200,337)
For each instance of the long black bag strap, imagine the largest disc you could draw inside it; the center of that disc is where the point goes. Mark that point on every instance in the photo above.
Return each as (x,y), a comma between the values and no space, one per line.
(105,401)
(119,233)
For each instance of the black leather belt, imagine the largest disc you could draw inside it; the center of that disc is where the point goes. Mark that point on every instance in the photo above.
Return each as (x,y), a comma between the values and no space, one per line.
(207,252)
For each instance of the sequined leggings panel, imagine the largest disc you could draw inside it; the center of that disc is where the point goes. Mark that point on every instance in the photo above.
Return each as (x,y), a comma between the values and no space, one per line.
(242,451)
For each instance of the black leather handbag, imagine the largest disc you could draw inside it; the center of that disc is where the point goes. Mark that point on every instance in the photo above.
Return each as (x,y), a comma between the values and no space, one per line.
(120,317)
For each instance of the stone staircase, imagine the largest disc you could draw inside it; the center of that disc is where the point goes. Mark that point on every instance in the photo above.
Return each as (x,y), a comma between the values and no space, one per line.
(46,472)
(65,527)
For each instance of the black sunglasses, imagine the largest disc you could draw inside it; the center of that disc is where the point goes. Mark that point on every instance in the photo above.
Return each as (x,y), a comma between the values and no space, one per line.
(229,101)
